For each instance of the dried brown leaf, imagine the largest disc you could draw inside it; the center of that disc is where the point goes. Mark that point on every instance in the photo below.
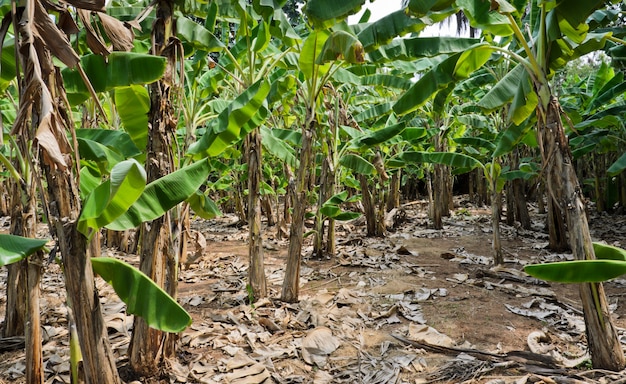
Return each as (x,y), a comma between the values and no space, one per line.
(317,345)
(94,41)
(56,41)
(92,5)
(119,33)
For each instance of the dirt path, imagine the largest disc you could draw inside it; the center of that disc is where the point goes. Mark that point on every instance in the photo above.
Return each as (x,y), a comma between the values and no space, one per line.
(416,283)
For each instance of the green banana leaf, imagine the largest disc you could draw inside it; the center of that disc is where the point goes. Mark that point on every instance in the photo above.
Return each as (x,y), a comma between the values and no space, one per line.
(119,69)
(197,35)
(455,160)
(374,112)
(618,166)
(247,112)
(578,271)
(610,263)
(15,248)
(341,45)
(358,164)
(417,47)
(311,49)
(504,90)
(476,142)
(441,77)
(203,206)
(133,105)
(105,157)
(278,147)
(326,13)
(118,141)
(481,16)
(331,207)
(142,296)
(377,137)
(162,195)
(112,198)
(386,81)
(609,252)
(7,64)
(509,138)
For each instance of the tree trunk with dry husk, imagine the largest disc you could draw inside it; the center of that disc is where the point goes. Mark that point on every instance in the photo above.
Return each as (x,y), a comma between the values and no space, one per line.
(442,186)
(516,204)
(604,346)
(23,278)
(42,106)
(496,200)
(393,197)
(256,270)
(300,191)
(15,316)
(159,255)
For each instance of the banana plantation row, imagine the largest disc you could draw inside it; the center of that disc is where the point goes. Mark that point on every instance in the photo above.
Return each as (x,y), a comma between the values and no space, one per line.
(139,115)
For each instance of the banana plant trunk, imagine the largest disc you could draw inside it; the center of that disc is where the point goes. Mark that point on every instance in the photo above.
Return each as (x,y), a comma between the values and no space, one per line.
(43,108)
(441,186)
(256,270)
(23,278)
(159,255)
(15,314)
(300,192)
(562,182)
(496,245)
(98,359)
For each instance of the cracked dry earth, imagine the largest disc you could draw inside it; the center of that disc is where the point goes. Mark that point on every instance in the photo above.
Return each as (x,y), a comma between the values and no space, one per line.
(417,306)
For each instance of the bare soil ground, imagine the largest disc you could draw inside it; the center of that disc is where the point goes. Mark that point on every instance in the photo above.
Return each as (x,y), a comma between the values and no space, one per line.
(436,288)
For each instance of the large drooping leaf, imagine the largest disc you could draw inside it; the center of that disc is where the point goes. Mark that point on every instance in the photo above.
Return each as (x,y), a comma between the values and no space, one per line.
(441,77)
(114,197)
(610,263)
(326,13)
(577,12)
(119,69)
(162,195)
(332,208)
(133,105)
(118,141)
(476,142)
(7,64)
(503,91)
(417,47)
(15,248)
(197,35)
(358,164)
(383,80)
(618,166)
(278,147)
(481,16)
(377,137)
(609,252)
(203,206)
(104,156)
(142,296)
(245,113)
(341,45)
(311,49)
(419,8)
(455,160)
(578,271)
(508,138)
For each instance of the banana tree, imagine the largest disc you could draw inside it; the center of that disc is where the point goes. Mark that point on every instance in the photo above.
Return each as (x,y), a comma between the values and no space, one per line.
(246,71)
(595,105)
(562,34)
